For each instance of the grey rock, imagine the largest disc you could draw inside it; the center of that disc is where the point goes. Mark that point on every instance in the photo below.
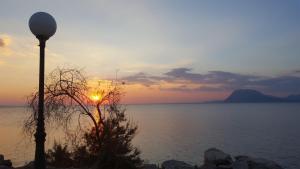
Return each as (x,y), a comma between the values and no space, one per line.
(229,166)
(240,164)
(150,166)
(5,167)
(257,163)
(6,163)
(261,163)
(174,164)
(208,166)
(1,158)
(242,157)
(217,157)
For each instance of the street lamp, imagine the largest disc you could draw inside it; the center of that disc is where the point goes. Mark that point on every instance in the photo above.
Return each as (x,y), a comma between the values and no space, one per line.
(43,26)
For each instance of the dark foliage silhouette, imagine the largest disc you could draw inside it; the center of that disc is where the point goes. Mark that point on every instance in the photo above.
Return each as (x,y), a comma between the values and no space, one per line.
(59,156)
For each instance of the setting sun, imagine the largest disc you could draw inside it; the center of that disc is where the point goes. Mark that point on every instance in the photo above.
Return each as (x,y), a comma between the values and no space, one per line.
(95,97)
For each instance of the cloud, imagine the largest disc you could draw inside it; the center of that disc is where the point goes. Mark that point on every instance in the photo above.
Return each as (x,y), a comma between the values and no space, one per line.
(289,84)
(2,44)
(5,42)
(184,80)
(144,79)
(209,78)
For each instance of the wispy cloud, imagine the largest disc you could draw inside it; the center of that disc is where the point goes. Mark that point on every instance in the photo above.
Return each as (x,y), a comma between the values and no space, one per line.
(2,44)
(183,79)
(5,42)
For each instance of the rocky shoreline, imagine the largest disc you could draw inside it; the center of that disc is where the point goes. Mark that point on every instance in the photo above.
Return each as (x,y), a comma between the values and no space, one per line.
(213,159)
(217,159)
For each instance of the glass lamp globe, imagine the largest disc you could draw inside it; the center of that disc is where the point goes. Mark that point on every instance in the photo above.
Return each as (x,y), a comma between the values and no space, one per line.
(42,25)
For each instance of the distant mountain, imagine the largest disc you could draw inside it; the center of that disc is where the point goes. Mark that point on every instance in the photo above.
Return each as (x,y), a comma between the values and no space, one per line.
(253,96)
(294,98)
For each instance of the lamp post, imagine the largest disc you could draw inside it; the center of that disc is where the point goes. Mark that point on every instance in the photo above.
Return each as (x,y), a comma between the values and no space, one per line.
(43,26)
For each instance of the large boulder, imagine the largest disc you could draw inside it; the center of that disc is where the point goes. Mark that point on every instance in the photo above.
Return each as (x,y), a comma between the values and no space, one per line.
(1,158)
(217,157)
(257,163)
(150,166)
(174,164)
(6,163)
(240,164)
(5,167)
(208,166)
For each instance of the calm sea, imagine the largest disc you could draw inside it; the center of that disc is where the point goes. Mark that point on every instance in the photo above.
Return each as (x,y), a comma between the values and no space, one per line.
(185,131)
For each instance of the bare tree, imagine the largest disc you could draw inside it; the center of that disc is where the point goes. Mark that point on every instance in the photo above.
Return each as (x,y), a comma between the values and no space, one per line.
(67,93)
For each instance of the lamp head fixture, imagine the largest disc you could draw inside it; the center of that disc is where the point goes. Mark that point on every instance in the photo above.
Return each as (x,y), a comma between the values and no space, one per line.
(42,25)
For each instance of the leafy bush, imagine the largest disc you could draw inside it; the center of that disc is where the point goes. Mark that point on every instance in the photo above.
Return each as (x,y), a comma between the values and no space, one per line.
(59,156)
(114,150)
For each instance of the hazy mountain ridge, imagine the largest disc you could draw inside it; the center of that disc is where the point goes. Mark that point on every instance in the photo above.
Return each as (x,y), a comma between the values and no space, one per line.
(254,96)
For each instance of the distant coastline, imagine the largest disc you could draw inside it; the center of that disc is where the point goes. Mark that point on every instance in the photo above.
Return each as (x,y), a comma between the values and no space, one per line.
(237,96)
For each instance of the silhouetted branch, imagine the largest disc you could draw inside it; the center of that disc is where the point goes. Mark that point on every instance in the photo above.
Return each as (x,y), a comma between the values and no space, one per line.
(66,94)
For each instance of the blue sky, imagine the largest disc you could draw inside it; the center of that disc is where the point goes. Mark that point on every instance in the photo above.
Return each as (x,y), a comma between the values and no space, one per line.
(260,38)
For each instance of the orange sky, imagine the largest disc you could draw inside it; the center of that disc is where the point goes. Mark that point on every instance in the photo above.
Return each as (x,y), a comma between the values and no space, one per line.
(133,94)
(142,94)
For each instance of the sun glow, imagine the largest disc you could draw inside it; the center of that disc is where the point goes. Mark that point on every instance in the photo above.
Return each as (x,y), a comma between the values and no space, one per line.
(95,97)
